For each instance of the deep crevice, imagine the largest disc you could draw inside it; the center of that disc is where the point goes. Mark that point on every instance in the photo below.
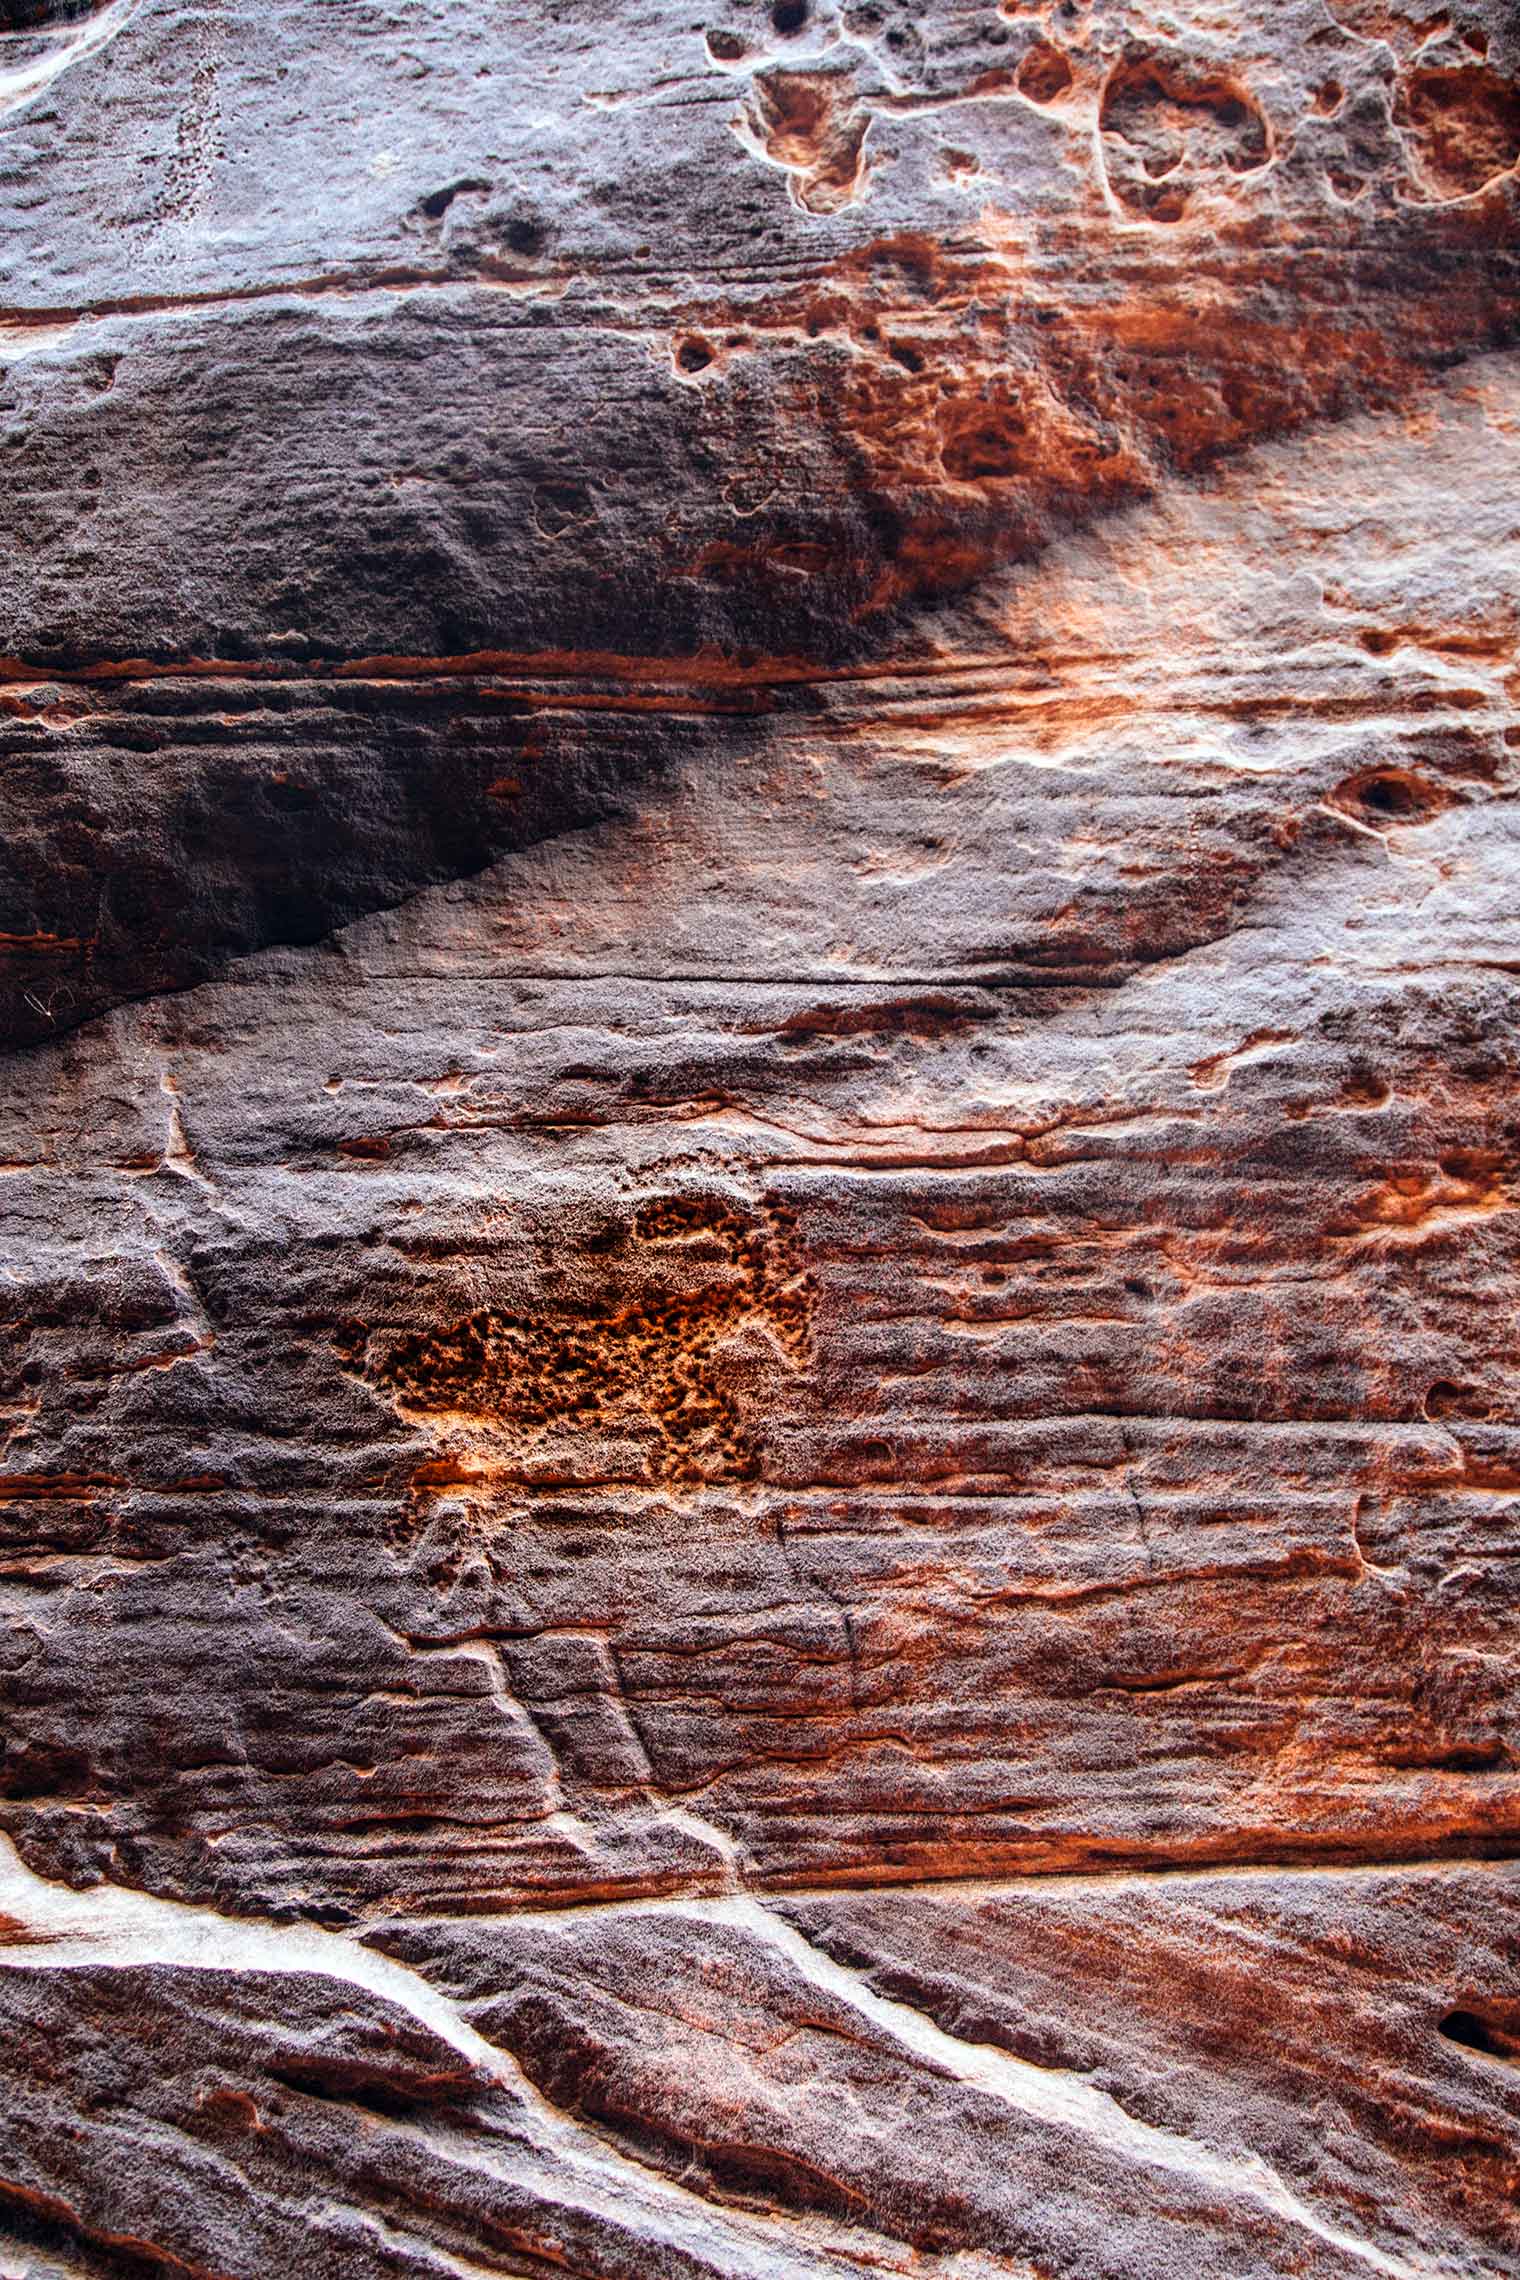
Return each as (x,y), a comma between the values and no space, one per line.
(1472,2032)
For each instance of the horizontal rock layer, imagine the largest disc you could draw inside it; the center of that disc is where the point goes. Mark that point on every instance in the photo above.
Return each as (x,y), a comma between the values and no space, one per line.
(759,1477)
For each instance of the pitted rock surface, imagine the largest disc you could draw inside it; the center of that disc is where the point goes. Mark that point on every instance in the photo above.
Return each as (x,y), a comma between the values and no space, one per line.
(759,1163)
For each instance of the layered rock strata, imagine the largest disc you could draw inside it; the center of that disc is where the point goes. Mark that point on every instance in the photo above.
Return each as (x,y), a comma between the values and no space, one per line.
(758,956)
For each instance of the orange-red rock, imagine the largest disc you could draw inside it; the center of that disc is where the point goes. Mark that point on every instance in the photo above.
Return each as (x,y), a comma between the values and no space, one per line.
(758,1165)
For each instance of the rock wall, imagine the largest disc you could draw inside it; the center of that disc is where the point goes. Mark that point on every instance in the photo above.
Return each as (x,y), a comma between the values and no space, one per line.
(758,1157)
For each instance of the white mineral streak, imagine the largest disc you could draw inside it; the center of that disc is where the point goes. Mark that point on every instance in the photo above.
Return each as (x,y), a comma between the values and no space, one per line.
(1049,2094)
(48,54)
(111,1926)
(54,1928)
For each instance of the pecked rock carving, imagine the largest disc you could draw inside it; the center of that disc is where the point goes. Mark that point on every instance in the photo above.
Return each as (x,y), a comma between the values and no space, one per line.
(759,1163)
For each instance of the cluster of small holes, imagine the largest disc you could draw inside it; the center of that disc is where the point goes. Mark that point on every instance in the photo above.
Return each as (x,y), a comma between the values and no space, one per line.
(655,1359)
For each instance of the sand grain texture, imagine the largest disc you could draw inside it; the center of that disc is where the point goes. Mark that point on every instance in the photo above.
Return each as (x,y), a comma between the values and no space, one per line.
(759,1157)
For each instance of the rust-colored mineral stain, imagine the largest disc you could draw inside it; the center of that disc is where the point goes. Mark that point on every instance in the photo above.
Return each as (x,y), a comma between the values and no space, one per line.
(651,1367)
(1464,121)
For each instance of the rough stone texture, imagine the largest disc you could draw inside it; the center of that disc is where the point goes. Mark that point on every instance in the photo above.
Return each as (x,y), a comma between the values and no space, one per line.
(758,956)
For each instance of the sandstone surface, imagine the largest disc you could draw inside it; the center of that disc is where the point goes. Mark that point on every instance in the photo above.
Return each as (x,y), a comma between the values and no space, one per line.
(759,949)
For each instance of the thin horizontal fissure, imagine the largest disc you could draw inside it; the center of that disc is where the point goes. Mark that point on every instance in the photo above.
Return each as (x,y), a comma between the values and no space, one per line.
(702,685)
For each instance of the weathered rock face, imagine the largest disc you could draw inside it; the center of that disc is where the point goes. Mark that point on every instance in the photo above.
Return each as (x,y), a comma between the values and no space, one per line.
(758,1163)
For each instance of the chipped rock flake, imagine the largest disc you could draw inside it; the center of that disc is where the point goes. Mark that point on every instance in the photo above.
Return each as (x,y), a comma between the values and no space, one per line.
(759,1472)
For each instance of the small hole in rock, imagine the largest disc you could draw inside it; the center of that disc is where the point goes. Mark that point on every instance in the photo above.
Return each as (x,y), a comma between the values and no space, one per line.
(789,16)
(1390,795)
(1044,76)
(1473,2033)
(1448,1399)
(525,237)
(556,506)
(438,202)
(693,356)
(726,47)
(1363,1089)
